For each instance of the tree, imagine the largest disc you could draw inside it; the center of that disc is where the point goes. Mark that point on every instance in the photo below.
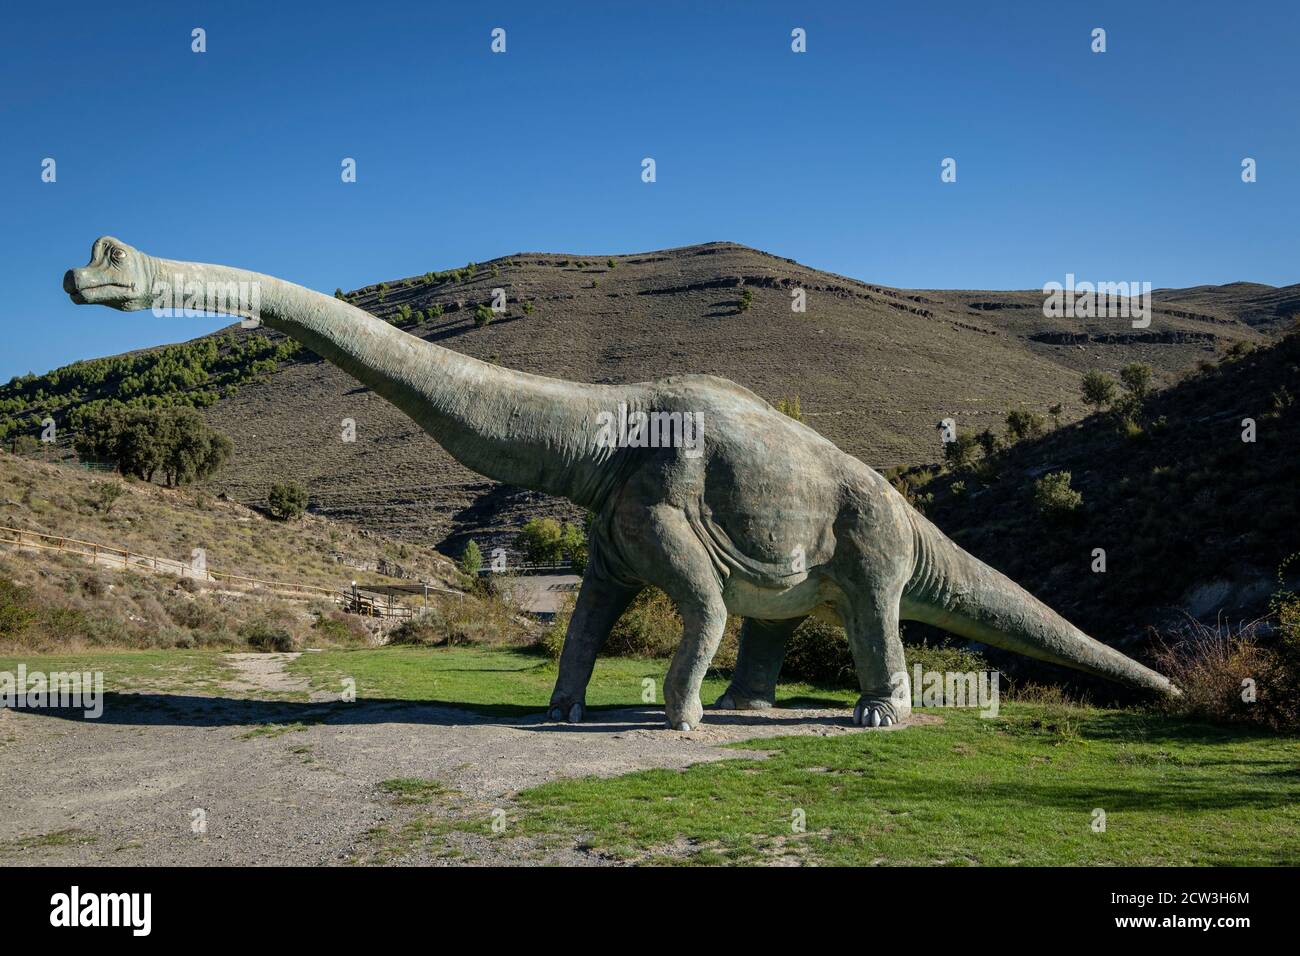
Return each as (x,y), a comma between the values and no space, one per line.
(960,452)
(1055,411)
(1098,389)
(990,442)
(471,562)
(1137,380)
(1054,497)
(145,441)
(287,501)
(746,300)
(542,541)
(106,495)
(1024,424)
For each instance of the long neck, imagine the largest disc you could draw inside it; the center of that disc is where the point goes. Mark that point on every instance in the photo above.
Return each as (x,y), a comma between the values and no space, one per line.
(510,426)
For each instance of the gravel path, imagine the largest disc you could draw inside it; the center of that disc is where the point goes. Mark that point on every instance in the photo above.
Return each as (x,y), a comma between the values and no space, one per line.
(290,782)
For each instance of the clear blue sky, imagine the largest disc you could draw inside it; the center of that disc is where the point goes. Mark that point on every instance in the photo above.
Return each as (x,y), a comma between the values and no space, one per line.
(1118,166)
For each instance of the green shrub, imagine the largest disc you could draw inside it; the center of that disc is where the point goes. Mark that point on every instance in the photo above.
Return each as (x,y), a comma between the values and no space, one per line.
(650,627)
(471,562)
(287,501)
(529,307)
(1023,424)
(960,452)
(542,541)
(436,310)
(1054,497)
(483,315)
(746,300)
(1098,389)
(1136,378)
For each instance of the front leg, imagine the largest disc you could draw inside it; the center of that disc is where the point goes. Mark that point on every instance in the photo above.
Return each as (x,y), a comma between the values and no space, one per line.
(601,602)
(704,620)
(872,625)
(758,664)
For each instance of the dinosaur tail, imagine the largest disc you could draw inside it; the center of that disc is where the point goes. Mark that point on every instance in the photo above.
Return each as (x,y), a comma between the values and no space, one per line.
(952,590)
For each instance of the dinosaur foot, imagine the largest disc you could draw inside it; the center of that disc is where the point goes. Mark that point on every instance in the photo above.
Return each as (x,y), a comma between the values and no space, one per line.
(686,717)
(567,711)
(734,700)
(879,712)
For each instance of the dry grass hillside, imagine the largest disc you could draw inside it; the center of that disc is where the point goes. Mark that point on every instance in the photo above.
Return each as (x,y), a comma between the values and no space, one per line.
(62,500)
(54,600)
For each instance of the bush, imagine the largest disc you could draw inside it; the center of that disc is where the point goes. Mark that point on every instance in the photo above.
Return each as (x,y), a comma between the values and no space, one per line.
(746,300)
(1054,497)
(960,452)
(650,627)
(542,541)
(267,636)
(1098,389)
(551,642)
(287,501)
(106,495)
(1216,667)
(483,316)
(1022,424)
(1137,380)
(529,308)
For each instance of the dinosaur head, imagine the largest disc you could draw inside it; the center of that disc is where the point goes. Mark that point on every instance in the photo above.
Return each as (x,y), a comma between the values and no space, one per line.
(118,275)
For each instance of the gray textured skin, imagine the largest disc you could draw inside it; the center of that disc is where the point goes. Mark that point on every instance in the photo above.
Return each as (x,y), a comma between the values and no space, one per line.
(771,522)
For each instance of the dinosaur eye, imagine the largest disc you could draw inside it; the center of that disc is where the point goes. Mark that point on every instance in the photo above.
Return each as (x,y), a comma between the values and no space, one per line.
(117,255)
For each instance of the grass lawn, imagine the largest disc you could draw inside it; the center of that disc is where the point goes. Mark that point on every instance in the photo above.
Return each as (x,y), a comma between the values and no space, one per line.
(1018,789)
(1021,788)
(177,671)
(504,682)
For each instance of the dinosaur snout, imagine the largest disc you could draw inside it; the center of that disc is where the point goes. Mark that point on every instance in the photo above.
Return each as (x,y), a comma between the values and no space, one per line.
(70,281)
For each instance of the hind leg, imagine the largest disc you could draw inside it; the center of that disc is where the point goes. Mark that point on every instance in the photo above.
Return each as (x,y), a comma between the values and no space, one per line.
(871,620)
(600,604)
(758,663)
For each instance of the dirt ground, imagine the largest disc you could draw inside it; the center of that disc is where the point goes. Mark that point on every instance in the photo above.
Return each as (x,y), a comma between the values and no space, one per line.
(291,782)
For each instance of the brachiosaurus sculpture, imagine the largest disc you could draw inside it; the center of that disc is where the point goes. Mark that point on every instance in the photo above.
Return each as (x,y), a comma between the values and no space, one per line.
(749,512)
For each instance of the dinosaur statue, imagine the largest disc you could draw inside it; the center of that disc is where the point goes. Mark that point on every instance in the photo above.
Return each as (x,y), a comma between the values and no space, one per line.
(745,512)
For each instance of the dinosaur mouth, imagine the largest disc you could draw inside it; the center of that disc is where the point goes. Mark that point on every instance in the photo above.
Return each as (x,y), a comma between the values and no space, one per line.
(78,293)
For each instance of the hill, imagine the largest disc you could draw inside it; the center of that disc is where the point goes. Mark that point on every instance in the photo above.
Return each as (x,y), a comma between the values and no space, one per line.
(874,368)
(1191,517)
(63,601)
